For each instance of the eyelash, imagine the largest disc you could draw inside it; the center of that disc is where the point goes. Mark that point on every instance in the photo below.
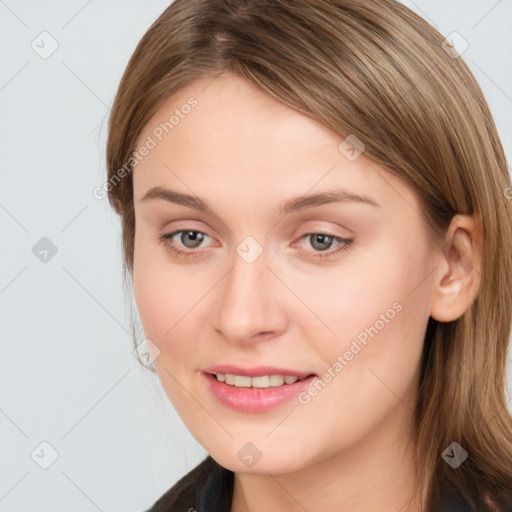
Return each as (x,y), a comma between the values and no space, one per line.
(345,244)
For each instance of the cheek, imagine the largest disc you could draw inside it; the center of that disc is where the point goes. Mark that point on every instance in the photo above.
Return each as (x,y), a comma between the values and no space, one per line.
(147,291)
(154,288)
(350,300)
(168,298)
(377,315)
(165,298)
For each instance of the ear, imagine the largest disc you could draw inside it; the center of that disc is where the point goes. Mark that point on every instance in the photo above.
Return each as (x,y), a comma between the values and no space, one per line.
(457,276)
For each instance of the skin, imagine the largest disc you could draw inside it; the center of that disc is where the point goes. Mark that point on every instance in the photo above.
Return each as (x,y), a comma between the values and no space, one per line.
(347,449)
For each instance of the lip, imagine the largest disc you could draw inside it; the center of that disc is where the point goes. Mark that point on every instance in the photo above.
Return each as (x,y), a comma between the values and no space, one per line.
(257,371)
(255,399)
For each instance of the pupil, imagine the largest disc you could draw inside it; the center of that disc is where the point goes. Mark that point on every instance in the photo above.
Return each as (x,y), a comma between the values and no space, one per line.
(194,235)
(324,239)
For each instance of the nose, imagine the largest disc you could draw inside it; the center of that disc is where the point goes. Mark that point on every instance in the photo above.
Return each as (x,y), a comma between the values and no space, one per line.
(249,303)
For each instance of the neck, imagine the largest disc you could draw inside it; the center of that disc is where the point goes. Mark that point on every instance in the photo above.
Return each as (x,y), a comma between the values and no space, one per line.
(376,474)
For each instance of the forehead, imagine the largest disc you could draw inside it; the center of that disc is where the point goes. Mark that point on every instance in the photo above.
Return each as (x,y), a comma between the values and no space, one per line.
(221,134)
(231,113)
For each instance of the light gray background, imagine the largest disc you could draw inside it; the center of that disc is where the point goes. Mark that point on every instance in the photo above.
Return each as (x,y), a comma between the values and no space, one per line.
(68,375)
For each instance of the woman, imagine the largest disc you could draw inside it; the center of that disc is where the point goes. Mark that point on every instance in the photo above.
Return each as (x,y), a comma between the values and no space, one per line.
(312,195)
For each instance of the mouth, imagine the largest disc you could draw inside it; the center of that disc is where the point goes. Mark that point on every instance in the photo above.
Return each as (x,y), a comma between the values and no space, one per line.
(260,382)
(256,393)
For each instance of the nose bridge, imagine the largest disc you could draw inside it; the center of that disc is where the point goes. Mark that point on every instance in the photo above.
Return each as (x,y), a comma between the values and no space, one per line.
(245,308)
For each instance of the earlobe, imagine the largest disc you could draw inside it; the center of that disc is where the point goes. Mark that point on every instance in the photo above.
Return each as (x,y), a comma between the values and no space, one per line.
(458,269)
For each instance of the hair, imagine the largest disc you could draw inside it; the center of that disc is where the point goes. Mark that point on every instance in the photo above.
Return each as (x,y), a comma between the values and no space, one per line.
(380,72)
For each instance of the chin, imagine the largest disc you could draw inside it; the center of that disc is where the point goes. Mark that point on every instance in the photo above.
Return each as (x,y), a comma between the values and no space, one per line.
(275,463)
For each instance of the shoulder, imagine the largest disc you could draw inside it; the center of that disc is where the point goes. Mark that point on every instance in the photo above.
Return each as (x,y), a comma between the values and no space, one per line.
(207,487)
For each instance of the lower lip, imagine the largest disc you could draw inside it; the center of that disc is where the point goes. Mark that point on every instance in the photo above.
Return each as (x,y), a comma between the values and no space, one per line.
(255,399)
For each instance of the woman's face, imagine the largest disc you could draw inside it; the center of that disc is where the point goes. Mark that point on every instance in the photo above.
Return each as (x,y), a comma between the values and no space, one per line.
(269,280)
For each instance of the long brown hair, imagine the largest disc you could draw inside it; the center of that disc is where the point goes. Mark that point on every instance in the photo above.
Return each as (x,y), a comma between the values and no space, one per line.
(380,72)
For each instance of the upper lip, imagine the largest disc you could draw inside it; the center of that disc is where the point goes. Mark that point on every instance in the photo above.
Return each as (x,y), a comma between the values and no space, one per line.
(256,371)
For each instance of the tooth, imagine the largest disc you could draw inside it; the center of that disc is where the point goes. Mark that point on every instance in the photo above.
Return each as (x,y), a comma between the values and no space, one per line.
(261,382)
(242,381)
(276,380)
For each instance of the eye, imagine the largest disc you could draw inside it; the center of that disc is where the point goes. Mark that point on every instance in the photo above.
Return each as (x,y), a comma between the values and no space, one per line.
(191,239)
(321,242)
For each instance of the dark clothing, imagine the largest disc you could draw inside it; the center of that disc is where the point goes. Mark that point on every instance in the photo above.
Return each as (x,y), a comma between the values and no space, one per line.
(194,494)
(214,492)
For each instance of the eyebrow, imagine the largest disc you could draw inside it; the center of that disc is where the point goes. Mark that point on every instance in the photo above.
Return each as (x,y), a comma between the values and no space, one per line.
(293,205)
